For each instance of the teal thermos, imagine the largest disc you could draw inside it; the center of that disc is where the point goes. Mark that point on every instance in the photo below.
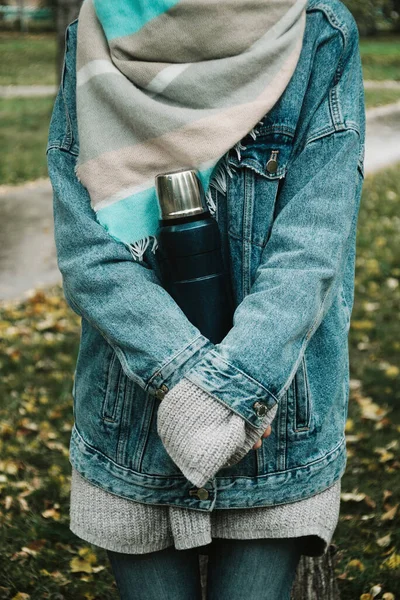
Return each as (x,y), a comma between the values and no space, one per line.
(189,254)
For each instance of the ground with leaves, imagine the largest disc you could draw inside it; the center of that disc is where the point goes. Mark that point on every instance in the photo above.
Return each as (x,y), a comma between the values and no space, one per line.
(40,558)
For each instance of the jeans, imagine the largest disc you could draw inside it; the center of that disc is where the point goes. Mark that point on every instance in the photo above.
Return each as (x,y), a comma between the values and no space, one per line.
(260,569)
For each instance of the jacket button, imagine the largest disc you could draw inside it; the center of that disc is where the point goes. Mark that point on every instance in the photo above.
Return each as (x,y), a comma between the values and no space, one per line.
(260,408)
(272,164)
(201,493)
(161,391)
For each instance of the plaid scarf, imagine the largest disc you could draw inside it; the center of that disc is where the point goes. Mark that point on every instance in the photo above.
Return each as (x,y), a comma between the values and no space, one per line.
(164,85)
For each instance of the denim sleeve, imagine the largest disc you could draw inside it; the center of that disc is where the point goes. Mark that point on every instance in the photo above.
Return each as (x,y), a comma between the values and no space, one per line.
(304,259)
(119,296)
(295,281)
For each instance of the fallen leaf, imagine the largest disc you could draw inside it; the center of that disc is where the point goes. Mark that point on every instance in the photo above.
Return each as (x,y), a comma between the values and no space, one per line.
(356,564)
(390,514)
(387,494)
(392,562)
(51,513)
(79,565)
(351,496)
(384,541)
(375,590)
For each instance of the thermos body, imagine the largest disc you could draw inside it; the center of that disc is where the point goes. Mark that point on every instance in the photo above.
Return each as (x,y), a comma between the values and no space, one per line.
(189,255)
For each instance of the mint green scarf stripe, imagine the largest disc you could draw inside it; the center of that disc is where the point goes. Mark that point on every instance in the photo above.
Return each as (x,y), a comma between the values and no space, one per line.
(135,217)
(122,17)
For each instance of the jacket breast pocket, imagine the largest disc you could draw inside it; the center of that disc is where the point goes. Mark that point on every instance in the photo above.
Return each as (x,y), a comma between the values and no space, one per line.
(256,174)
(299,404)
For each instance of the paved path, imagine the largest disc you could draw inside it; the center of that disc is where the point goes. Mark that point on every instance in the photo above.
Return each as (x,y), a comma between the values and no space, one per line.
(388,84)
(26,91)
(27,252)
(383,137)
(27,249)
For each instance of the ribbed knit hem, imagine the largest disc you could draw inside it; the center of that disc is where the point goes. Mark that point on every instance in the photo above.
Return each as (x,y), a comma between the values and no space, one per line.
(197,538)
(118,546)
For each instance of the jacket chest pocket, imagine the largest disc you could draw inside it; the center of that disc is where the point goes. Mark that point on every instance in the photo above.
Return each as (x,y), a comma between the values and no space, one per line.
(256,173)
(116,381)
(299,404)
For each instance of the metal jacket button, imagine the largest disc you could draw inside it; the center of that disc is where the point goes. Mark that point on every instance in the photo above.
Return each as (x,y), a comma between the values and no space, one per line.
(260,408)
(201,493)
(161,391)
(272,164)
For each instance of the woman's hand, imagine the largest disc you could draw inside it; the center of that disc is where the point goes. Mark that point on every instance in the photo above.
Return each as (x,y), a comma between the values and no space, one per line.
(266,433)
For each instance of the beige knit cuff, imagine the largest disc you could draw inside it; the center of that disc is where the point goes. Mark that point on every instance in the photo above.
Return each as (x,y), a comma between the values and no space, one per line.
(201,434)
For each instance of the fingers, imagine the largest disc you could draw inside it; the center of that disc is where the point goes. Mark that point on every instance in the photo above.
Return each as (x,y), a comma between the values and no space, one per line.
(266,433)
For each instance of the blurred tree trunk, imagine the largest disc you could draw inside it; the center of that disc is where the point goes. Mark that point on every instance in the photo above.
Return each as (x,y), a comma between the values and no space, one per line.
(65,12)
(316,578)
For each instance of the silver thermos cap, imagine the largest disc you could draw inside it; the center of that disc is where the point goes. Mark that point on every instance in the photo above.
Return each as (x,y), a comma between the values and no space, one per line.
(180,194)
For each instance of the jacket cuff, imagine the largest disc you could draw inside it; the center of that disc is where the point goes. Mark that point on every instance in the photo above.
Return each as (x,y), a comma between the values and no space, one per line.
(238,391)
(172,371)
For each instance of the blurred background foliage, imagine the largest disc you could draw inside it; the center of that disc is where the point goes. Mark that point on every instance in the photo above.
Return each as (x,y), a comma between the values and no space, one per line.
(372,16)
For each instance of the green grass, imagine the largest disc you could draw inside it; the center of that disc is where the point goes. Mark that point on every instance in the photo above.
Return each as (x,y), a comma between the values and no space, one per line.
(27,59)
(373,463)
(381,97)
(39,339)
(381,58)
(39,555)
(23,138)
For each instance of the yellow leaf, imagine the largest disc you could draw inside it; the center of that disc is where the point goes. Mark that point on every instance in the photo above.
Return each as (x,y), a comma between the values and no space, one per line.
(78,565)
(21,596)
(392,562)
(356,564)
(366,597)
(51,513)
(88,554)
(388,596)
(360,325)
(349,425)
(392,372)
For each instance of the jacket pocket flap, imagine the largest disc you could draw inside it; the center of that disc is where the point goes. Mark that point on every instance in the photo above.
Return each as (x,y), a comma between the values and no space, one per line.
(267,153)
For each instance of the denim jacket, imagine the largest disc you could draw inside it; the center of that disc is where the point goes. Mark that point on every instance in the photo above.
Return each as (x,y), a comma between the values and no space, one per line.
(288,239)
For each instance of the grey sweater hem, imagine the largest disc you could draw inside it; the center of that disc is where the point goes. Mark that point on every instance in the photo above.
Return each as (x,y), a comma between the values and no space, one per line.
(117,546)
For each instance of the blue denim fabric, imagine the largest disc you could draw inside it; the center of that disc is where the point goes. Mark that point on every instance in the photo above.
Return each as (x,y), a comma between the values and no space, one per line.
(236,569)
(289,244)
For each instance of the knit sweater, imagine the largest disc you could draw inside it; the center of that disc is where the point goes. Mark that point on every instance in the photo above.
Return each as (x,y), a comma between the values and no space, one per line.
(201,435)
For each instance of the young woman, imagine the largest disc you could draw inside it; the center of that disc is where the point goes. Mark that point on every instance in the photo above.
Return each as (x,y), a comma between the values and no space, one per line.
(181,446)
